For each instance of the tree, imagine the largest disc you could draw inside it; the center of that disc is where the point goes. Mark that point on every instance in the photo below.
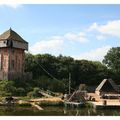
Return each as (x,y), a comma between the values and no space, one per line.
(112,59)
(51,67)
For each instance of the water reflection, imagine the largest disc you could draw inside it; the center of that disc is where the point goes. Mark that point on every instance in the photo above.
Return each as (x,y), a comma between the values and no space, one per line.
(91,112)
(57,111)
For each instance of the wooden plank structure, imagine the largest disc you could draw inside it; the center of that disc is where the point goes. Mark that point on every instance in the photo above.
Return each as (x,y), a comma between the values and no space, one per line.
(107,86)
(76,99)
(106,104)
(106,96)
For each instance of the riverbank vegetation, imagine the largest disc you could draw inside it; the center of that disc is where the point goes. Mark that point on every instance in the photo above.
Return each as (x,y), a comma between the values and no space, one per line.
(52,73)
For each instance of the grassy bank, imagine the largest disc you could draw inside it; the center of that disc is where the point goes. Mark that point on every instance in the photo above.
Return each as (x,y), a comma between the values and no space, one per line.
(52,101)
(48,103)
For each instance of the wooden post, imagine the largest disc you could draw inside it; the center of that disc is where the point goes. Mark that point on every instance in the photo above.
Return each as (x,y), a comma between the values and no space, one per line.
(119,94)
(69,83)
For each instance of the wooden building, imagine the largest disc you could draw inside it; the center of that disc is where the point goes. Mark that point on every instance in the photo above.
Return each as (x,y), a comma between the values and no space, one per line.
(107,86)
(12,47)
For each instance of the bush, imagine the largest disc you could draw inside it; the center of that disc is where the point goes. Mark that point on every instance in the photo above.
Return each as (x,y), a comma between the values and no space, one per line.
(50,84)
(25,105)
(48,103)
(30,94)
(34,93)
(7,88)
(20,91)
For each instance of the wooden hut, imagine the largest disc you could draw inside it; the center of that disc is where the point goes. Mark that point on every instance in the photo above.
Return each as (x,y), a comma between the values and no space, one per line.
(107,86)
(12,47)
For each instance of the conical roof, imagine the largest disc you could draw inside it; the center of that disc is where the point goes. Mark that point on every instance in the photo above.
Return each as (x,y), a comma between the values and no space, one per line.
(10,34)
(115,87)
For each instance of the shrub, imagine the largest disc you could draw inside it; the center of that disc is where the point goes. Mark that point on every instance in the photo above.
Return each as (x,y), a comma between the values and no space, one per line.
(34,93)
(20,91)
(7,88)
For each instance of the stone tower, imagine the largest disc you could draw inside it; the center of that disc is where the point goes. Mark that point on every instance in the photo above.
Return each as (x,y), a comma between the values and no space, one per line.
(12,48)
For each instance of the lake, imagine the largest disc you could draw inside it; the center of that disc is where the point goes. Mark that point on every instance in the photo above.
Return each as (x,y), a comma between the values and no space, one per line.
(56,111)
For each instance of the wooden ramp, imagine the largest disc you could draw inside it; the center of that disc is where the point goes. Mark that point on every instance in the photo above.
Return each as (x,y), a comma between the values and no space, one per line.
(36,106)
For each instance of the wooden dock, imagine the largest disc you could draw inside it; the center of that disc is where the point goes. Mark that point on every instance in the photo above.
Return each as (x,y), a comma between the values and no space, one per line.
(100,103)
(109,104)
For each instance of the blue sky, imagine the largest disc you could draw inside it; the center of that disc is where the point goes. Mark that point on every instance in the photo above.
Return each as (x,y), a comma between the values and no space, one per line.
(80,31)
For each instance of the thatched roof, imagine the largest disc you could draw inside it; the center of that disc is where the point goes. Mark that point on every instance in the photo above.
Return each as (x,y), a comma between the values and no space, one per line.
(10,34)
(113,84)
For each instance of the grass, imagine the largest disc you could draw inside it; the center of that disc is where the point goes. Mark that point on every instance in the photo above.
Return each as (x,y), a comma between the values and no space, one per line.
(24,98)
(48,103)
(88,105)
(25,105)
(1,99)
(52,101)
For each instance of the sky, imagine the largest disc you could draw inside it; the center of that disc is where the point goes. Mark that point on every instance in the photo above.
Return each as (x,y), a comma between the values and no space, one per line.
(76,30)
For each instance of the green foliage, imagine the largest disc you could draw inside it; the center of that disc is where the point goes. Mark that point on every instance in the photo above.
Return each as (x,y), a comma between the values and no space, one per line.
(82,71)
(25,105)
(89,105)
(50,103)
(112,59)
(20,91)
(30,94)
(50,84)
(34,93)
(7,88)
(46,68)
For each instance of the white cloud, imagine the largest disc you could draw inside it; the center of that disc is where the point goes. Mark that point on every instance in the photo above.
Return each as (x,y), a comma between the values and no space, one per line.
(57,38)
(100,37)
(93,27)
(95,55)
(12,5)
(53,46)
(110,28)
(80,37)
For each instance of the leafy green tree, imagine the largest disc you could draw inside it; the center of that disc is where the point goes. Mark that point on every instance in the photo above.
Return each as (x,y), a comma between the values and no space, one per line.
(51,67)
(112,59)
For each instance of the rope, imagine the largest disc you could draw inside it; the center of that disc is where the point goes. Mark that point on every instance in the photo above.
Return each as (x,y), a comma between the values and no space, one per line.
(51,75)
